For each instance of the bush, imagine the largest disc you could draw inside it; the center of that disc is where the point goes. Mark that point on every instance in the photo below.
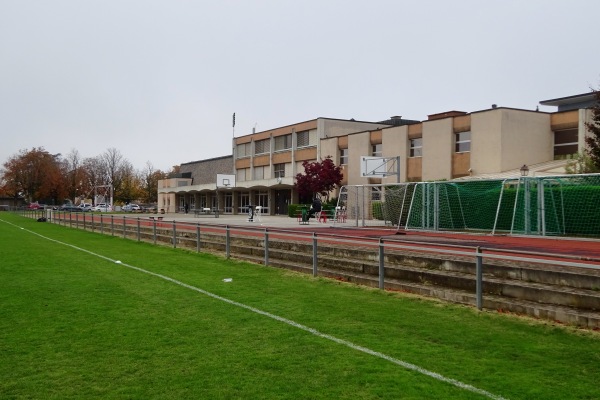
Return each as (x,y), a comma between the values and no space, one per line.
(293,209)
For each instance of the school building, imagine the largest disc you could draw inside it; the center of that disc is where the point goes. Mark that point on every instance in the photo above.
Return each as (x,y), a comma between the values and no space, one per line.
(490,143)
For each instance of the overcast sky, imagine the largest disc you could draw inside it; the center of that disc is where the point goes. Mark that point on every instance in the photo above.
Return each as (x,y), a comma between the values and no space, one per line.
(160,80)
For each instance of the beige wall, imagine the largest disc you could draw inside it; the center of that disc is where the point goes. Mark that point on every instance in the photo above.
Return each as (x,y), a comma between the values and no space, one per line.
(486,142)
(505,139)
(359,144)
(438,147)
(329,147)
(166,201)
(585,116)
(395,143)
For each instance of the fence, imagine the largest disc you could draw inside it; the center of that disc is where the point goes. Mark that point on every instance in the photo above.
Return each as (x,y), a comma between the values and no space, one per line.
(556,205)
(264,245)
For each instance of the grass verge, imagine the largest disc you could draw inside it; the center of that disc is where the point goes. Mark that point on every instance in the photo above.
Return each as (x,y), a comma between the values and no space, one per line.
(76,325)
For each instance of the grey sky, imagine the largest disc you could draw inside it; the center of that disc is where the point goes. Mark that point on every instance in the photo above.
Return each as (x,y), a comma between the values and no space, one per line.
(160,80)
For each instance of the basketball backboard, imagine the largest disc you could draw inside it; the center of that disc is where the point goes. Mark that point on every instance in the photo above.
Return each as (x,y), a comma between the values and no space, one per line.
(225,181)
(379,166)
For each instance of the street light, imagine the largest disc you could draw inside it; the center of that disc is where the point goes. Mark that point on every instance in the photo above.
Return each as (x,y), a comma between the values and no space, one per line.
(524,170)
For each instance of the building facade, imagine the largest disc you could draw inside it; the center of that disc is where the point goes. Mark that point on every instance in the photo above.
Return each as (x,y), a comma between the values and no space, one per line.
(449,145)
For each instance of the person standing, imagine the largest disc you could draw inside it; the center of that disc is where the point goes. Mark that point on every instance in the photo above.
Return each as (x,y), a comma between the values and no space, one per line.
(316,207)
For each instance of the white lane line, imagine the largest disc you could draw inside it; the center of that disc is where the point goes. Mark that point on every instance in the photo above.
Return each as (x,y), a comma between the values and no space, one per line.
(313,331)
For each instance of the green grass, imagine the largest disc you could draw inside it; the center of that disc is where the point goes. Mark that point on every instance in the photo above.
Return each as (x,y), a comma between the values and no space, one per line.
(73,325)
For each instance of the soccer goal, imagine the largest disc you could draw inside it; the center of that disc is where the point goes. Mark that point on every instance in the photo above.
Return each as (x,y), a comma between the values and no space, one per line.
(374,205)
(545,206)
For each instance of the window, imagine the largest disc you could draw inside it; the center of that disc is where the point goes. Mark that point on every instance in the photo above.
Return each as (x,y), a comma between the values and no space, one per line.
(416,147)
(376,150)
(259,173)
(228,199)
(565,143)
(343,156)
(261,146)
(279,170)
(242,174)
(243,201)
(462,142)
(262,199)
(243,150)
(283,142)
(375,193)
(303,139)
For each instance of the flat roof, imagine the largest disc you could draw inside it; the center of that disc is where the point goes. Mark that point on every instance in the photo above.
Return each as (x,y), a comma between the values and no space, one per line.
(578,98)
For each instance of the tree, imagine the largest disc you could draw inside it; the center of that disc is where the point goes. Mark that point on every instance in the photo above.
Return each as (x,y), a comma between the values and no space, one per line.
(149,179)
(593,139)
(581,163)
(131,187)
(34,175)
(76,175)
(318,178)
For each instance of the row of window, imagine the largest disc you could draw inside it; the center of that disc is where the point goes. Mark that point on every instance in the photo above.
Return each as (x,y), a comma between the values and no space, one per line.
(565,142)
(243,174)
(280,143)
(462,145)
(261,198)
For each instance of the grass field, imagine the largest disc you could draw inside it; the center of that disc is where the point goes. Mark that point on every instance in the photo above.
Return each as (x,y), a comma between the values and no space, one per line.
(85,316)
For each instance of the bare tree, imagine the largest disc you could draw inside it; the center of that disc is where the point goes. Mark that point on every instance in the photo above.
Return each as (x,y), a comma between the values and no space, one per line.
(150,178)
(76,175)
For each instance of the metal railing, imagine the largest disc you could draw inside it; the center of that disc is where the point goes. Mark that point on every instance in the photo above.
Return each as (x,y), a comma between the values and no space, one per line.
(190,235)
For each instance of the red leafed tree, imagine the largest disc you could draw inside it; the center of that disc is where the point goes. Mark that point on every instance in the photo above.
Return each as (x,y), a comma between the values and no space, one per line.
(593,139)
(318,178)
(34,175)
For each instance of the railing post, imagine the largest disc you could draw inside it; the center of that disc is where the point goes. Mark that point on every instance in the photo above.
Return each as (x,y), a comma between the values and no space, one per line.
(112,225)
(315,258)
(227,241)
(198,238)
(381,264)
(154,231)
(124,227)
(174,235)
(101,224)
(266,246)
(479,278)
(77,220)
(84,220)
(138,229)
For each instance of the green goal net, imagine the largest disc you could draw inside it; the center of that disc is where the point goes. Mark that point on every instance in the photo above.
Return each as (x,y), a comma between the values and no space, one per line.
(555,205)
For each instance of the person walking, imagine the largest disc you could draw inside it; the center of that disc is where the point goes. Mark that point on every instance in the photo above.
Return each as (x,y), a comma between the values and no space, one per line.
(316,207)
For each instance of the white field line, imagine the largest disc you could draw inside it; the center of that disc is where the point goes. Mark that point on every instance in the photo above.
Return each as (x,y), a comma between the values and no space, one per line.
(315,332)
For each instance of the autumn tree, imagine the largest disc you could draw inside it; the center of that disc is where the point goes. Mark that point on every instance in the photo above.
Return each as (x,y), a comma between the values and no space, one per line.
(318,178)
(593,139)
(35,175)
(130,186)
(149,180)
(76,175)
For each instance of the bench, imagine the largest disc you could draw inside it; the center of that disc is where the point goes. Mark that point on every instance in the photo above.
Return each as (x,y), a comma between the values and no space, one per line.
(198,212)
